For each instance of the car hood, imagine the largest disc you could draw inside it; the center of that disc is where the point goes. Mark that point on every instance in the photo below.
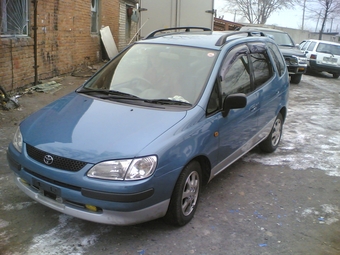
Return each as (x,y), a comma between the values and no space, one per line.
(289,51)
(93,130)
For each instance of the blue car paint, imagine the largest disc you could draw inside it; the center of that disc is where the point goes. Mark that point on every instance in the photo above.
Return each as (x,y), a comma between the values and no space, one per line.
(189,138)
(175,136)
(63,128)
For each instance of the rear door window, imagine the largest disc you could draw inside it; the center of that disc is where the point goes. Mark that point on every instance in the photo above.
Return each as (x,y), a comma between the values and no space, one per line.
(278,59)
(262,68)
(261,64)
(311,46)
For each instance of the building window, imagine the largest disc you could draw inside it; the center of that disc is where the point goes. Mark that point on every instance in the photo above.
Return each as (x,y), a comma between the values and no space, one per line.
(129,12)
(14,17)
(94,16)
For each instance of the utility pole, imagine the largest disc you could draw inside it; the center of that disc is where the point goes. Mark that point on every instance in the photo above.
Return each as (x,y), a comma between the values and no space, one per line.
(303,14)
(331,24)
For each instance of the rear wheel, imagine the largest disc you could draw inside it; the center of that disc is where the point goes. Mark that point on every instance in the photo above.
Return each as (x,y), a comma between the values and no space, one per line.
(336,75)
(184,199)
(295,78)
(272,141)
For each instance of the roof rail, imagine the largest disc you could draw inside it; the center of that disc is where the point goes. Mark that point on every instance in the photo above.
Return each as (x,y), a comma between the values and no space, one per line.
(222,40)
(187,29)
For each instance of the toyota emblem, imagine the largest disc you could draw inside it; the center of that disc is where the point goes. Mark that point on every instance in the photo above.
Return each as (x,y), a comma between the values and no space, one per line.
(48,159)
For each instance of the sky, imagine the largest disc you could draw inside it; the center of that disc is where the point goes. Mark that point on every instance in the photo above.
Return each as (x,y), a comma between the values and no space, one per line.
(291,18)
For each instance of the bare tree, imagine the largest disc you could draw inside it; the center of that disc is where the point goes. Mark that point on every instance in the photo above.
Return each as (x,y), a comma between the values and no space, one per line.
(328,7)
(307,8)
(258,11)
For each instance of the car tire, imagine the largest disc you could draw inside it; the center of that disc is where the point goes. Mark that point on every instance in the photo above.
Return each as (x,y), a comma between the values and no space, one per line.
(295,78)
(273,139)
(184,200)
(336,75)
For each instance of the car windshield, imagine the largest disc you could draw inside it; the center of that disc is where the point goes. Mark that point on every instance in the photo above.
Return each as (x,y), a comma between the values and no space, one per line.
(281,39)
(155,73)
(328,48)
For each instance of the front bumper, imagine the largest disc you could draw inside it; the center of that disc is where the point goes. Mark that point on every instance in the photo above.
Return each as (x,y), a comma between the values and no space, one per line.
(296,65)
(116,203)
(297,69)
(103,216)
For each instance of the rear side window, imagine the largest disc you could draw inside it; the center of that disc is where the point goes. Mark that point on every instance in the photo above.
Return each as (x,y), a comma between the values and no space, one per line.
(328,48)
(311,46)
(262,68)
(278,59)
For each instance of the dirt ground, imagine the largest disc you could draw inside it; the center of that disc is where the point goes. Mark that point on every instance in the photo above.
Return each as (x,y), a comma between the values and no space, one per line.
(287,202)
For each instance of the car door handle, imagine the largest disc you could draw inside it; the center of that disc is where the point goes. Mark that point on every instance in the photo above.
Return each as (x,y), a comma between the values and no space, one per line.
(276,94)
(254,107)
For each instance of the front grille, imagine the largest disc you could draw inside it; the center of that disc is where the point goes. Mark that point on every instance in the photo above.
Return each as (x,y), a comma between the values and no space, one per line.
(58,162)
(50,181)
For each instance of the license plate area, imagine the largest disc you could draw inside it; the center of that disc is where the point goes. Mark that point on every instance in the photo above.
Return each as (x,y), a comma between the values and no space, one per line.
(330,60)
(46,189)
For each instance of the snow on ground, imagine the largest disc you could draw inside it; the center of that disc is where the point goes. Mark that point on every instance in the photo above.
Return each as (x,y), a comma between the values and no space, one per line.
(328,214)
(311,136)
(66,238)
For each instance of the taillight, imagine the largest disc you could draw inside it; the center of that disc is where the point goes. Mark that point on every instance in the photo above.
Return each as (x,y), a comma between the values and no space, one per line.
(313,56)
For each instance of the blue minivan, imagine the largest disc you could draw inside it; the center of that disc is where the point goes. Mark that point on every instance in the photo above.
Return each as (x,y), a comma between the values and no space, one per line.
(138,140)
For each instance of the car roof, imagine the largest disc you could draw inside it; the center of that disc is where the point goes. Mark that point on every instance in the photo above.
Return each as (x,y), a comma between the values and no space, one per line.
(202,39)
(262,29)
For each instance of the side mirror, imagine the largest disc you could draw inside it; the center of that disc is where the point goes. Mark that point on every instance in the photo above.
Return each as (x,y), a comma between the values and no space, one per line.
(234,101)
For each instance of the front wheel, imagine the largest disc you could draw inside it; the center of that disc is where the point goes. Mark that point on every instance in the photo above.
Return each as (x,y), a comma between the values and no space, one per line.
(336,75)
(184,199)
(295,78)
(272,141)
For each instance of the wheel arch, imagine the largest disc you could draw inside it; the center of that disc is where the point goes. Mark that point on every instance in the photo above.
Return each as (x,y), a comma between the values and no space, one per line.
(205,167)
(283,112)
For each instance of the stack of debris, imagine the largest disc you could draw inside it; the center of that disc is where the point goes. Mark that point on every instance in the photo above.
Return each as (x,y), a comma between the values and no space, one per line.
(6,102)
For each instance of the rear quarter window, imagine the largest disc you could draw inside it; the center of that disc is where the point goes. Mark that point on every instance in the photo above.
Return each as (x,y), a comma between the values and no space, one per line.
(328,48)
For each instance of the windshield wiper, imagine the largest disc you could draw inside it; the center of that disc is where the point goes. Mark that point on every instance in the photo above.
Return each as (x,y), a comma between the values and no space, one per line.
(108,93)
(287,45)
(113,94)
(166,101)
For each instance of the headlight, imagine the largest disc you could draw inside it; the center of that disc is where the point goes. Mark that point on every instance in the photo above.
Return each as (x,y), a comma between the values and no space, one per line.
(292,61)
(128,169)
(302,61)
(17,140)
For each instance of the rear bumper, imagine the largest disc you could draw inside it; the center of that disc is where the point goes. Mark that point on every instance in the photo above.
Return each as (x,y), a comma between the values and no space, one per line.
(313,65)
(103,216)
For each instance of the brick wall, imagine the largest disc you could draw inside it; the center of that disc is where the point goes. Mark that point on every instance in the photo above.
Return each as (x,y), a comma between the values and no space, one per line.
(64,41)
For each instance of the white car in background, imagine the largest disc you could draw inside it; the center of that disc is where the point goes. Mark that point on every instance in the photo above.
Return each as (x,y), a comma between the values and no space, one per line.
(322,56)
